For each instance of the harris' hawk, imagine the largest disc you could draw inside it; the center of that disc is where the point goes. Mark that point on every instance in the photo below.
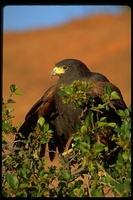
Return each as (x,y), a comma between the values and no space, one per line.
(61,117)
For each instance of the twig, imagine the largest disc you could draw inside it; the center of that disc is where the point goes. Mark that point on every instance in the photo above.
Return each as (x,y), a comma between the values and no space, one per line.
(106,173)
(5,158)
(67,152)
(113,150)
(81,169)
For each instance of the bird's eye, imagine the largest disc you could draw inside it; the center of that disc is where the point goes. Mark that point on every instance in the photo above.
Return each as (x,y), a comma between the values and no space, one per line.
(65,67)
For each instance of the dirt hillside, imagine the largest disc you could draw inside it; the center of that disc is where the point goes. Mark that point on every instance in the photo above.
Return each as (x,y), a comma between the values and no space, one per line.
(102,42)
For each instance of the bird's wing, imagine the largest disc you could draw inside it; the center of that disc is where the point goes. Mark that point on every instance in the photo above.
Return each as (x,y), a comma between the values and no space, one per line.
(111,115)
(43,107)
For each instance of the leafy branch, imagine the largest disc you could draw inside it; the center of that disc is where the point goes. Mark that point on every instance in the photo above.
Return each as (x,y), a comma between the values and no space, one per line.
(27,175)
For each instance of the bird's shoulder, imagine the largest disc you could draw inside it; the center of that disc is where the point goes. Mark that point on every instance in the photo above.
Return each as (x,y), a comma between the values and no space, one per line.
(44,105)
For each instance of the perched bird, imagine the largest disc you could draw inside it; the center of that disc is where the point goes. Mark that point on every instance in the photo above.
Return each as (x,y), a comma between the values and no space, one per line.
(61,117)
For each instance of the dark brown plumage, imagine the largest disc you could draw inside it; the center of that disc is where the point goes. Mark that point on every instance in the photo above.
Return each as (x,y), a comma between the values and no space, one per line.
(61,117)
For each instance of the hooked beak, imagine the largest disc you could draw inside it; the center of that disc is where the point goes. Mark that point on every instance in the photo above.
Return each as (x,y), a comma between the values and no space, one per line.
(53,73)
(57,71)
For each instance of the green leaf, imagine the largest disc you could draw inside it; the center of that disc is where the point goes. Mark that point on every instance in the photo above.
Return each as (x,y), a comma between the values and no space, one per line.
(98,147)
(41,121)
(24,185)
(62,93)
(126,126)
(76,126)
(107,89)
(78,183)
(83,129)
(96,193)
(87,138)
(44,140)
(126,156)
(120,159)
(23,172)
(127,185)
(46,128)
(69,90)
(112,124)
(33,192)
(78,192)
(107,107)
(12,180)
(65,175)
(10,110)
(114,95)
(119,187)
(103,119)
(102,124)
(13,88)
(84,147)
(86,122)
(76,137)
(100,106)
(90,115)
(35,156)
(127,112)
(121,113)
(122,144)
(18,92)
(84,84)
(10,101)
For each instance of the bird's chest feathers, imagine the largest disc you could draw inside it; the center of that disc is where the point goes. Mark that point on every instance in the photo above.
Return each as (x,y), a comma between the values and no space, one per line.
(69,113)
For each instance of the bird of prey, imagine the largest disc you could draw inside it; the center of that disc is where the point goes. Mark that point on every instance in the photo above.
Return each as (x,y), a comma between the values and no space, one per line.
(61,117)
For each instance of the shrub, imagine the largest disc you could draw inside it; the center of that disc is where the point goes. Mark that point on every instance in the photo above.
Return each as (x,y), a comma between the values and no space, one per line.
(25,174)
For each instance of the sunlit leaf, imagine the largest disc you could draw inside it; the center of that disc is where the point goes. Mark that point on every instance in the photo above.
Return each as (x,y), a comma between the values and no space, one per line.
(102,124)
(10,110)
(100,106)
(78,192)
(121,113)
(69,90)
(83,129)
(114,95)
(103,119)
(111,124)
(41,121)
(24,185)
(18,92)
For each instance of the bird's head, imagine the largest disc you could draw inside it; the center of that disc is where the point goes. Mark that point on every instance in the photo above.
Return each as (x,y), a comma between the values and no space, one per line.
(68,66)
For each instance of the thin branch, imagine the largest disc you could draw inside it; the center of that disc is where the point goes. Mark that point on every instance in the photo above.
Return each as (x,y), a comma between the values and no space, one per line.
(106,174)
(78,171)
(5,158)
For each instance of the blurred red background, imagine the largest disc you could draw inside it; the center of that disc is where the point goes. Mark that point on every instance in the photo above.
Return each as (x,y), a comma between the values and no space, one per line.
(102,42)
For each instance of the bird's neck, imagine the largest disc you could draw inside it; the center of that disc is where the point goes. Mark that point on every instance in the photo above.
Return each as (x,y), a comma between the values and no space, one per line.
(70,77)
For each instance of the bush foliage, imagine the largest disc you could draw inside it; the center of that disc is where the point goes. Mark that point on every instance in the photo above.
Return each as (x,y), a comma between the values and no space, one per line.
(26,175)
